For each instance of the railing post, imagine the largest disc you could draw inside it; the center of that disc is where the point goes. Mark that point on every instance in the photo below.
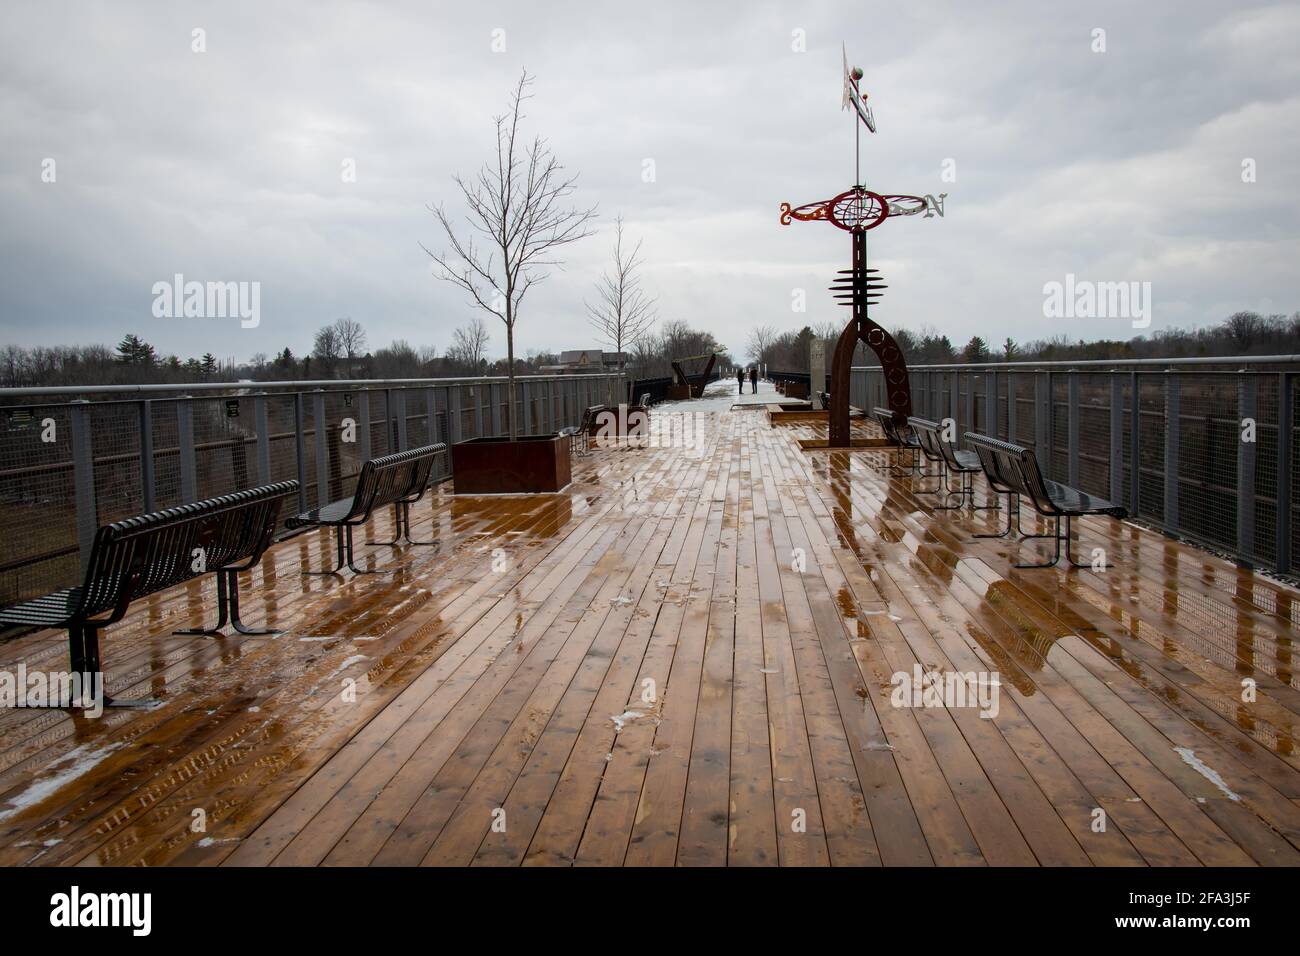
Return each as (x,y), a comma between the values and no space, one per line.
(300,449)
(322,448)
(362,412)
(453,413)
(148,476)
(1072,427)
(185,448)
(1116,437)
(1042,415)
(1246,459)
(260,422)
(397,411)
(83,478)
(954,395)
(1134,439)
(990,403)
(431,414)
(1172,416)
(526,392)
(970,406)
(1285,423)
(1011,408)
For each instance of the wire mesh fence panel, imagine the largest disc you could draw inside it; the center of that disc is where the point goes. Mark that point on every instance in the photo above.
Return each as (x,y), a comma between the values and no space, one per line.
(115,449)
(282,438)
(1059,430)
(419,417)
(1208,446)
(167,457)
(1094,438)
(225,445)
(1025,395)
(1264,390)
(1294,525)
(1151,447)
(38,520)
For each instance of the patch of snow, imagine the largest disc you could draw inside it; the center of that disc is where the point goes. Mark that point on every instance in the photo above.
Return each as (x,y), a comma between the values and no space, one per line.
(1206,771)
(79,761)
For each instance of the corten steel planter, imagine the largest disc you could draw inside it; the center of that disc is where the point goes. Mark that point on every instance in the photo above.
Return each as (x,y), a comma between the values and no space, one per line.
(531,464)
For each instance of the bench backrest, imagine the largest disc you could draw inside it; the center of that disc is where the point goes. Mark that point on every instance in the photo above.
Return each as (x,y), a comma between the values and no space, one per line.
(889,424)
(1000,461)
(930,437)
(388,479)
(644,400)
(142,555)
(1015,467)
(588,425)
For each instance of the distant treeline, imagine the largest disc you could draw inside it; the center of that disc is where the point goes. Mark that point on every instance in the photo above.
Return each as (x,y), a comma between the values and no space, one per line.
(1242,333)
(338,351)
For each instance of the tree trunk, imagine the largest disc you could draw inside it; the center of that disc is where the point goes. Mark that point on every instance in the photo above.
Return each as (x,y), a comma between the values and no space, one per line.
(510,381)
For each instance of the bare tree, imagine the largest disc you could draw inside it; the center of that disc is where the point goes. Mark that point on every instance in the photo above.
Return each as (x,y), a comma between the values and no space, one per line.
(518,204)
(760,341)
(325,349)
(351,339)
(469,344)
(623,313)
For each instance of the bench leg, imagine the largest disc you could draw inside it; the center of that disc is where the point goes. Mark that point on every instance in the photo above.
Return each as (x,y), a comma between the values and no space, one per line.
(222,617)
(1087,565)
(232,602)
(1012,505)
(83,656)
(402,528)
(351,558)
(338,566)
(1057,555)
(1020,529)
(941,474)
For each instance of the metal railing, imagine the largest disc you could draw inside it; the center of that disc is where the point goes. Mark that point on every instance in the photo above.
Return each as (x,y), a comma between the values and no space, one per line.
(1202,448)
(74,458)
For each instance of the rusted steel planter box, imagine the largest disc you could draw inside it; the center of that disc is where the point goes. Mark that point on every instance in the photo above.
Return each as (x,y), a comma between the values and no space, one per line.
(497,466)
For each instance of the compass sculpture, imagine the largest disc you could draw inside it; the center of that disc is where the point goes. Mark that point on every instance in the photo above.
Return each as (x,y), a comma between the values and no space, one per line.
(857,211)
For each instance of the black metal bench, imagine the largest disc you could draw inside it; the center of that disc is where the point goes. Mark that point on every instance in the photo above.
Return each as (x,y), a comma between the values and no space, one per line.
(140,556)
(584,430)
(399,480)
(902,441)
(1015,468)
(951,460)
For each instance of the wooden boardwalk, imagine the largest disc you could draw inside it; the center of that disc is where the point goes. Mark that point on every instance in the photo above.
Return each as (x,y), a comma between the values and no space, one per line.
(686,659)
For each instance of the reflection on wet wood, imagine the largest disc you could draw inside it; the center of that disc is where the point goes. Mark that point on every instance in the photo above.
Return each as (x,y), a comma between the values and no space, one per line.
(689,658)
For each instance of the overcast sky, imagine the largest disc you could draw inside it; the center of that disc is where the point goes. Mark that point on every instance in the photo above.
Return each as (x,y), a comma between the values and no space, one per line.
(225,165)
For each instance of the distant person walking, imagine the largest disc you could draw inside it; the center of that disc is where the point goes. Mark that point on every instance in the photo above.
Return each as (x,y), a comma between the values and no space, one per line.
(753,380)
(740,381)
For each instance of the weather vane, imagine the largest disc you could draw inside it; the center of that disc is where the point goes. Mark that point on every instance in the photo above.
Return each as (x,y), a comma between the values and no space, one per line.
(858,210)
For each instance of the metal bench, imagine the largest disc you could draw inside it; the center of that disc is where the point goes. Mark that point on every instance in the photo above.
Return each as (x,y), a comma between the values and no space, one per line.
(1015,468)
(583,430)
(894,433)
(399,480)
(140,556)
(951,460)
(1003,477)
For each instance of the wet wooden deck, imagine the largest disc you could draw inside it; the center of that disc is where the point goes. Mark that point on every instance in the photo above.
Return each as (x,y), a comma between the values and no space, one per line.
(639,672)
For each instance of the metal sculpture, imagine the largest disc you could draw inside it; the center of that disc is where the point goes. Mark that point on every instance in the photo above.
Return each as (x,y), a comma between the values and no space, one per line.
(694,383)
(857,211)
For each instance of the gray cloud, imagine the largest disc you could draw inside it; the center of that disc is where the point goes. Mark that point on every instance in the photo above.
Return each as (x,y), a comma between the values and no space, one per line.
(225,165)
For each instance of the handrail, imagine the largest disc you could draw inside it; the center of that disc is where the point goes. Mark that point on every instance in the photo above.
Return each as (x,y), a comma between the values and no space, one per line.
(1109,363)
(301,385)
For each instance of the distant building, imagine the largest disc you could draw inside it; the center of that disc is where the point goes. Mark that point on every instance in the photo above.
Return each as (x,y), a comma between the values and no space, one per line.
(586,360)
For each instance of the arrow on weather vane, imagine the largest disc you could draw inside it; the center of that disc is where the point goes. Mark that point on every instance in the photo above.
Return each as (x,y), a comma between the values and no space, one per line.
(853,95)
